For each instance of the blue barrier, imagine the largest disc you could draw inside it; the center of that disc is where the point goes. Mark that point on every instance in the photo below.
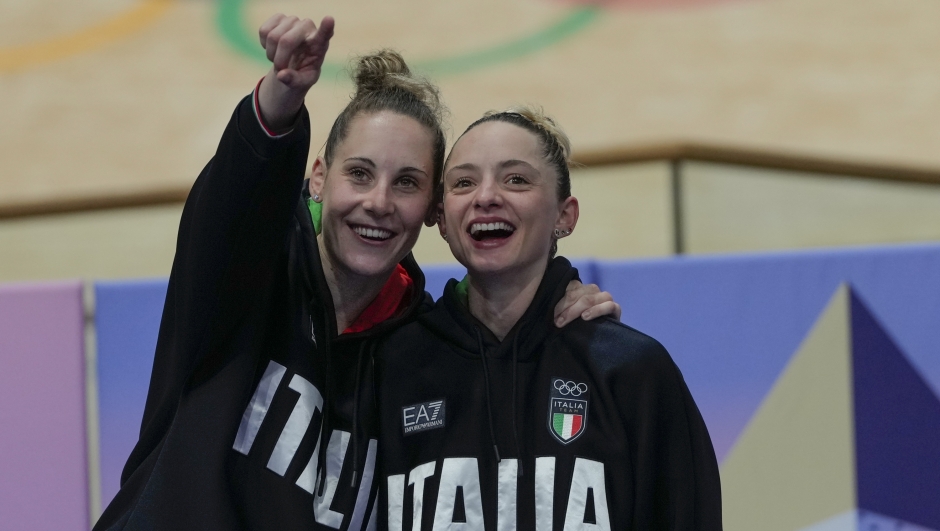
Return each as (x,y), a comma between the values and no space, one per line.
(127,319)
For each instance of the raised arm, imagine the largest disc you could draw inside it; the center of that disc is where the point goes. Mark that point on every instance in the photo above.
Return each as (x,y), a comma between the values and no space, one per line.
(233,232)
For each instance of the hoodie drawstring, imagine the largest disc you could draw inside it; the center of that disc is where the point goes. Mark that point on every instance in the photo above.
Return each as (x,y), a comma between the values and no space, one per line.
(326,426)
(355,426)
(515,430)
(486,386)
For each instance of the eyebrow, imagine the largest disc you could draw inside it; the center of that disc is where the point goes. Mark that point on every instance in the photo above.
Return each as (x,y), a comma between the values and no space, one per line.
(515,162)
(464,166)
(412,168)
(364,160)
(367,161)
(502,165)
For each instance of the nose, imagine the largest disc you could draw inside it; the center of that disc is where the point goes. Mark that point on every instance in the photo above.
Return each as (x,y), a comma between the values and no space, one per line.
(378,200)
(488,194)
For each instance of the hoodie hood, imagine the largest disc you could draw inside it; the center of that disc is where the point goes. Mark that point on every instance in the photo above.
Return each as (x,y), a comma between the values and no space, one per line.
(452,321)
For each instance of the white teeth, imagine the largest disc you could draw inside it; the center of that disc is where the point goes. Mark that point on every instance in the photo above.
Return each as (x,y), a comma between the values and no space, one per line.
(377,234)
(499,225)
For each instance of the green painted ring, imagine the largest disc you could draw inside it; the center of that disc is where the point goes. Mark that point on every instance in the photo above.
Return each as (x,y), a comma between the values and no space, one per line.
(230,22)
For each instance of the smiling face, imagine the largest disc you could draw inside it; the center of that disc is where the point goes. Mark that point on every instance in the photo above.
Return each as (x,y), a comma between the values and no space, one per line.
(501,201)
(375,194)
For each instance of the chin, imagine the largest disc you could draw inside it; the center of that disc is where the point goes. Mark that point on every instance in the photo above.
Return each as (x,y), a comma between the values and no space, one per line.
(368,261)
(490,264)
(371,267)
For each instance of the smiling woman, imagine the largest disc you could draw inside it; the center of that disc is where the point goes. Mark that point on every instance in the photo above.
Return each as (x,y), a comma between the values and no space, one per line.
(525,173)
(256,296)
(591,423)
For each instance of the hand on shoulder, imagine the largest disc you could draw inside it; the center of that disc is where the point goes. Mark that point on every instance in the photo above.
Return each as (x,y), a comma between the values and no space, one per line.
(586,301)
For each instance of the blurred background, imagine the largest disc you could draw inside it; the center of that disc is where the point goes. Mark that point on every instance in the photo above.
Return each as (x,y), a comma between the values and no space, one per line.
(786,143)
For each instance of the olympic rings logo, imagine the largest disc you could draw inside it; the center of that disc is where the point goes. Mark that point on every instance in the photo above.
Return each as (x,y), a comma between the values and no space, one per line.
(570,388)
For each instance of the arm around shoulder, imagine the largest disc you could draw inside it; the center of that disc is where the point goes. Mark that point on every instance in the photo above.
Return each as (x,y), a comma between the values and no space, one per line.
(231,244)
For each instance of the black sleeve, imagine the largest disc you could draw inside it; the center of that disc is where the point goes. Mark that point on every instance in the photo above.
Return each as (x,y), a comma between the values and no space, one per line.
(677,483)
(231,238)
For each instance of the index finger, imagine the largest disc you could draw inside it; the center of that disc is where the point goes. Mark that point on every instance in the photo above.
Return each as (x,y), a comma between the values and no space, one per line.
(323,34)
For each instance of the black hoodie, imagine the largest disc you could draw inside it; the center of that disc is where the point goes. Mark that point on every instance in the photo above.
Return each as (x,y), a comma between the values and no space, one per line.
(248,358)
(586,427)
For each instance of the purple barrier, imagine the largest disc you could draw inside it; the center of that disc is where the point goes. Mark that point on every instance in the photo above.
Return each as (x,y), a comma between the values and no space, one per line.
(127,319)
(43,474)
(732,323)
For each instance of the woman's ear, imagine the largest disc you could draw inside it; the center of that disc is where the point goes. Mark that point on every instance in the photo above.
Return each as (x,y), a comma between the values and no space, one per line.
(317,178)
(568,215)
(435,213)
(436,208)
(441,223)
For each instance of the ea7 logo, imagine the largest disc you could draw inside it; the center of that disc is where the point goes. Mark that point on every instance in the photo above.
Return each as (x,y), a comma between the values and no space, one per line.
(422,417)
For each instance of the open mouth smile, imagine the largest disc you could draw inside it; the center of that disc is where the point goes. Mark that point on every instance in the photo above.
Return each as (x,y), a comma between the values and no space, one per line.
(372,233)
(490,231)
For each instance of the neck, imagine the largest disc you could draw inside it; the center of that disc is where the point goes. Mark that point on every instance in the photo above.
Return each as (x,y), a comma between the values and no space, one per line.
(499,300)
(351,293)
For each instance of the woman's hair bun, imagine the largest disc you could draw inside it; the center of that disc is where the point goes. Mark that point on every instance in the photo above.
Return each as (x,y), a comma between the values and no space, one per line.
(386,70)
(378,70)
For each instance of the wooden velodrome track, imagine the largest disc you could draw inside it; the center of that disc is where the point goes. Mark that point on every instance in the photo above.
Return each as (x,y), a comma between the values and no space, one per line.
(109,96)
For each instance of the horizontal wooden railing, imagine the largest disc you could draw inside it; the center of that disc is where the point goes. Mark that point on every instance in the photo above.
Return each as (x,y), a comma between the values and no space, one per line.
(701,152)
(667,152)
(85,203)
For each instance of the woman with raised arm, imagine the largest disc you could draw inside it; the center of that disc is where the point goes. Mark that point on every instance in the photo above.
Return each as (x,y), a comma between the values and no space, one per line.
(260,413)
(493,418)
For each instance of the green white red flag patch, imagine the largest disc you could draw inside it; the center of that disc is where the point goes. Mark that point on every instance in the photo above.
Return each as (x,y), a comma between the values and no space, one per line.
(567,411)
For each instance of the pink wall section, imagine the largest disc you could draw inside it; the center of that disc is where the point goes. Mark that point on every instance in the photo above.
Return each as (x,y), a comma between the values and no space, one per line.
(43,473)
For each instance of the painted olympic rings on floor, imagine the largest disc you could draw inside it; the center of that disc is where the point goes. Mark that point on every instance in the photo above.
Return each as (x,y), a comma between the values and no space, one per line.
(231,24)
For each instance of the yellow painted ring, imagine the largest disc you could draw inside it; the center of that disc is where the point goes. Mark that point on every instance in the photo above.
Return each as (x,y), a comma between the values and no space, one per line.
(84,40)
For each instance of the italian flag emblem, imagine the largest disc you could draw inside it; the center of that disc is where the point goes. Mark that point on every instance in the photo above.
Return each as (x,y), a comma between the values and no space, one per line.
(566,425)
(567,410)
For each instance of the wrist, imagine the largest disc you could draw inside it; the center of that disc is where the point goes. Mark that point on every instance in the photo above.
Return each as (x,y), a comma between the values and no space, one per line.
(277,104)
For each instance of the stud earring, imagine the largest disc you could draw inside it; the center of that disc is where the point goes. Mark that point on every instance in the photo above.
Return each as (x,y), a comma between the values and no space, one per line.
(444,236)
(316,198)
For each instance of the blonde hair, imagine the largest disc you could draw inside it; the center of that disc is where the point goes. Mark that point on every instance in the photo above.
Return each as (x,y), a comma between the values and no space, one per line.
(556,146)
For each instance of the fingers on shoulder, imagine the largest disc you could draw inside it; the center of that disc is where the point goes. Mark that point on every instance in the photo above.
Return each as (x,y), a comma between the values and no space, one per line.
(600,309)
